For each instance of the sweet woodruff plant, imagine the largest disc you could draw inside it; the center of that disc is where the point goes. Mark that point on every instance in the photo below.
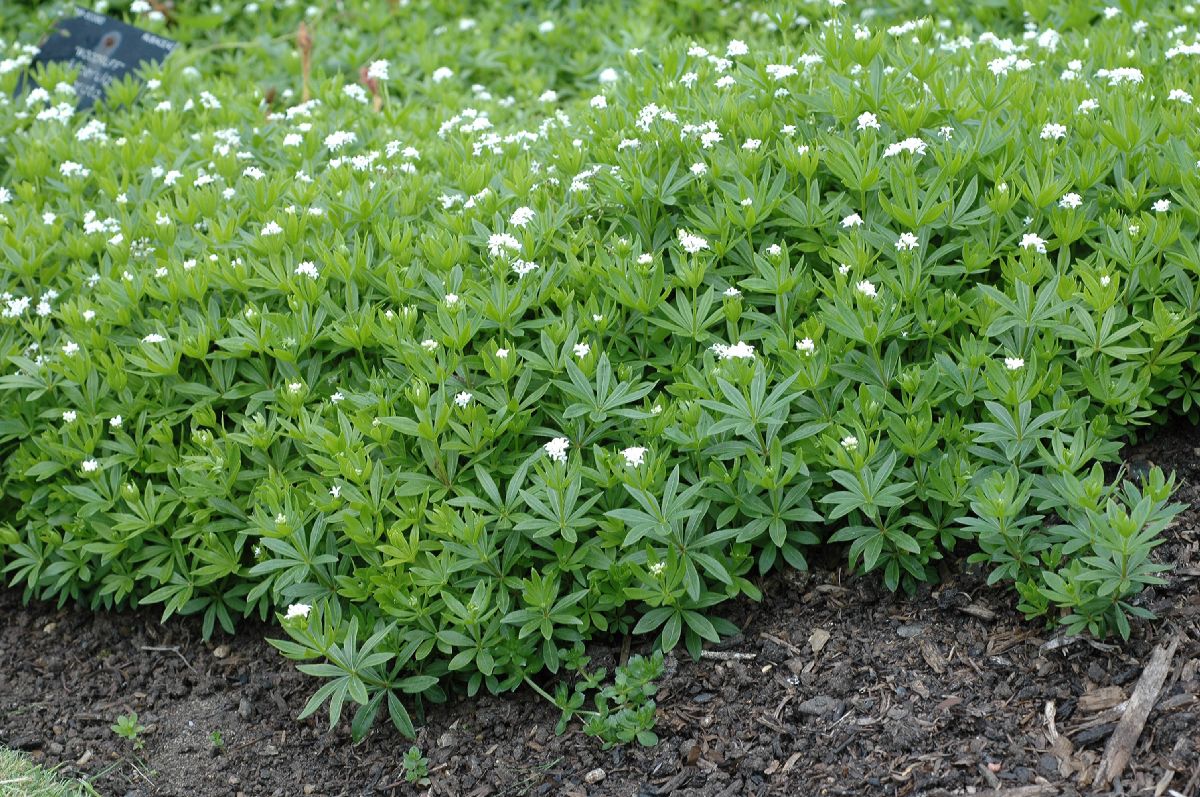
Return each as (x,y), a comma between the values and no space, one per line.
(455,342)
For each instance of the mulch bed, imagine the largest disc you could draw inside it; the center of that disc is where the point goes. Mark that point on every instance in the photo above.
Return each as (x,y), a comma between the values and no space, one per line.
(838,688)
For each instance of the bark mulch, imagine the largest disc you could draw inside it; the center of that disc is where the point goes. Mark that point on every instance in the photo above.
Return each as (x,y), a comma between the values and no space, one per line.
(835,687)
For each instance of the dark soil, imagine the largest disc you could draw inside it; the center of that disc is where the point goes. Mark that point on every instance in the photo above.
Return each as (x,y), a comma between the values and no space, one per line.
(844,689)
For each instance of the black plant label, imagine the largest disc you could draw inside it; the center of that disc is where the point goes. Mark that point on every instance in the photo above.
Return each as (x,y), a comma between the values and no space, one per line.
(103,49)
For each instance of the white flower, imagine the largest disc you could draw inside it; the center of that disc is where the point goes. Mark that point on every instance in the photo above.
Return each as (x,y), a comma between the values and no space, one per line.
(1070,201)
(866,288)
(1161,206)
(337,397)
(738,351)
(500,241)
(907,242)
(608,75)
(1105,280)
(90,465)
(853,220)
(463,399)
(582,350)
(338,139)
(913,146)
(634,456)
(521,216)
(732,292)
(522,267)
(1052,130)
(868,121)
(297,610)
(378,70)
(1030,239)
(295,387)
(599,101)
(1179,95)
(1124,74)
(307,269)
(556,449)
(73,169)
(502,354)
(736,47)
(70,347)
(752,144)
(153,337)
(69,416)
(657,568)
(451,299)
(1014,363)
(850,442)
(335,491)
(271,228)
(806,347)
(1088,105)
(691,243)
(699,168)
(429,344)
(115,421)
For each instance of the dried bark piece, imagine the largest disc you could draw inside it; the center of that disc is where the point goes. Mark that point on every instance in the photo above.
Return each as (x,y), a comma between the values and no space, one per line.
(1120,745)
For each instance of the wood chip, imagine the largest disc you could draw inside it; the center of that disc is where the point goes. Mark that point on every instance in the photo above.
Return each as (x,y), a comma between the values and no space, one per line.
(817,639)
(1120,745)
(1100,699)
(1060,746)
(976,610)
(932,657)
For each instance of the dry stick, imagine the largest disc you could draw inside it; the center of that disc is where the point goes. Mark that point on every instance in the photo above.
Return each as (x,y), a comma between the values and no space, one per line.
(1037,790)
(795,651)
(304,43)
(721,655)
(1129,729)
(174,650)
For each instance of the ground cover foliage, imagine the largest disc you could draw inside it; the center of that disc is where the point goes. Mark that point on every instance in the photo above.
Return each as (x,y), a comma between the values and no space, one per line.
(530,325)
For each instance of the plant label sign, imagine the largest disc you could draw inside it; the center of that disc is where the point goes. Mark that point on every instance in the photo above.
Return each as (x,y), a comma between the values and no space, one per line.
(103,49)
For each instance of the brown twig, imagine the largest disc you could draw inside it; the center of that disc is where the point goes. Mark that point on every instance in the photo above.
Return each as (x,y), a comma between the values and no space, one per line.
(175,650)
(788,646)
(304,43)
